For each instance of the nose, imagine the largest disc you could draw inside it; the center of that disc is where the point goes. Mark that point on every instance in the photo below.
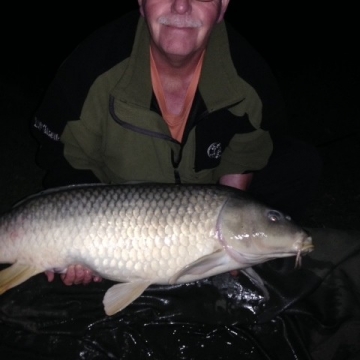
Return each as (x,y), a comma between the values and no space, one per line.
(181,6)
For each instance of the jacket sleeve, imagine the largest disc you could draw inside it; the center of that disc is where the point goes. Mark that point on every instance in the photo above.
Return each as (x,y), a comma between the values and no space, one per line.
(47,126)
(64,99)
(245,153)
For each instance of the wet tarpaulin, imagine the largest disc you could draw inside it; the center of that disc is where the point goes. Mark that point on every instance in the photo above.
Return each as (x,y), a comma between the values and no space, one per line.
(312,313)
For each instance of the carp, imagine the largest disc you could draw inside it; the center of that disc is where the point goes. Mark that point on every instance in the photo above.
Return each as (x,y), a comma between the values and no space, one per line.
(143,234)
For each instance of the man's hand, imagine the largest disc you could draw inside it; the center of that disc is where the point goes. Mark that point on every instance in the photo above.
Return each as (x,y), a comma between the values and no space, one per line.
(75,274)
(239,181)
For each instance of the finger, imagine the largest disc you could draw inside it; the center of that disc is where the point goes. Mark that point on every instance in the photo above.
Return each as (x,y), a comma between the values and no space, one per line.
(80,274)
(88,276)
(50,275)
(234,273)
(69,277)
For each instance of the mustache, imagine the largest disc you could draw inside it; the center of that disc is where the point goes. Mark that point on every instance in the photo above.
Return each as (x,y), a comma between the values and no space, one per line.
(179,21)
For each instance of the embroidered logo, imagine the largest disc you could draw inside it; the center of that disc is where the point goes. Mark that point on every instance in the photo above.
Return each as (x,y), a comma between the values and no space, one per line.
(45,130)
(214,151)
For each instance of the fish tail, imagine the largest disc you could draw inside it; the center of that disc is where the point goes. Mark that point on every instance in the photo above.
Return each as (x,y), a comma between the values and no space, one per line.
(15,275)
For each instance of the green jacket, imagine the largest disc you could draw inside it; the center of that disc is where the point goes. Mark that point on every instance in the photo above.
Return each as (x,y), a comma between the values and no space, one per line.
(116,130)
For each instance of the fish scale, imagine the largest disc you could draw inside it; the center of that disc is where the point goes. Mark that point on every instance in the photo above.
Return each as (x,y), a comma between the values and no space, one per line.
(143,234)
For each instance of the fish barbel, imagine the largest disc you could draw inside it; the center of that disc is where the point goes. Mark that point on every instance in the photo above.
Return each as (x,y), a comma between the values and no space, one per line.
(143,234)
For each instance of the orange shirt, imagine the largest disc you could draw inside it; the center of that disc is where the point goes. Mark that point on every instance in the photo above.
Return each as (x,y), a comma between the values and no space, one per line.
(176,123)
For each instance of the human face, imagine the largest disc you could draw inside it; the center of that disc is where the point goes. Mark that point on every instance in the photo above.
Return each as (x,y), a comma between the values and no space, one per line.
(181,28)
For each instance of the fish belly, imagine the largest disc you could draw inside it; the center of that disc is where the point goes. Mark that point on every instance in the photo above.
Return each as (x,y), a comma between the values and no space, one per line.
(120,232)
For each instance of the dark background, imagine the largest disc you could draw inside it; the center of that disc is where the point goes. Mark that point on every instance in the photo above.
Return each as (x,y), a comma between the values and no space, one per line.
(312,51)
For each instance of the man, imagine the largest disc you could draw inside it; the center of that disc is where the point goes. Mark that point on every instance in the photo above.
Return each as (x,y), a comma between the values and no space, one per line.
(173,96)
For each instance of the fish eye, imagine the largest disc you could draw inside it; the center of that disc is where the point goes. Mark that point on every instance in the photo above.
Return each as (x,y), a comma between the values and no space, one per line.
(274,215)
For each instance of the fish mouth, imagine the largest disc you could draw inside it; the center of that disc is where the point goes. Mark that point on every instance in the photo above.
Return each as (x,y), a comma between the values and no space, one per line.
(306,247)
(304,244)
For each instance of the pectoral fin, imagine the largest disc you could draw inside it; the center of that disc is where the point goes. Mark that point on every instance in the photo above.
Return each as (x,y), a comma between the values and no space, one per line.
(121,295)
(206,266)
(15,275)
(256,280)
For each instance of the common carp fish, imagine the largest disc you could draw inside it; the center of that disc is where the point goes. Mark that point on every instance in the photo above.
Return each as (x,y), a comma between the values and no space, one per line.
(143,234)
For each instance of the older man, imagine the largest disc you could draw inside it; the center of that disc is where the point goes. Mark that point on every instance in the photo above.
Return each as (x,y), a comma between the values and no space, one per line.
(174,95)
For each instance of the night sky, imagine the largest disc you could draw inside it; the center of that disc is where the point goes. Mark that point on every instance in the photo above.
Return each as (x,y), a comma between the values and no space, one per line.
(36,39)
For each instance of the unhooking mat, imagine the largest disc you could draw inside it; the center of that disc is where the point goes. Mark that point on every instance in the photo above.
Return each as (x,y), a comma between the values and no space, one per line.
(312,313)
